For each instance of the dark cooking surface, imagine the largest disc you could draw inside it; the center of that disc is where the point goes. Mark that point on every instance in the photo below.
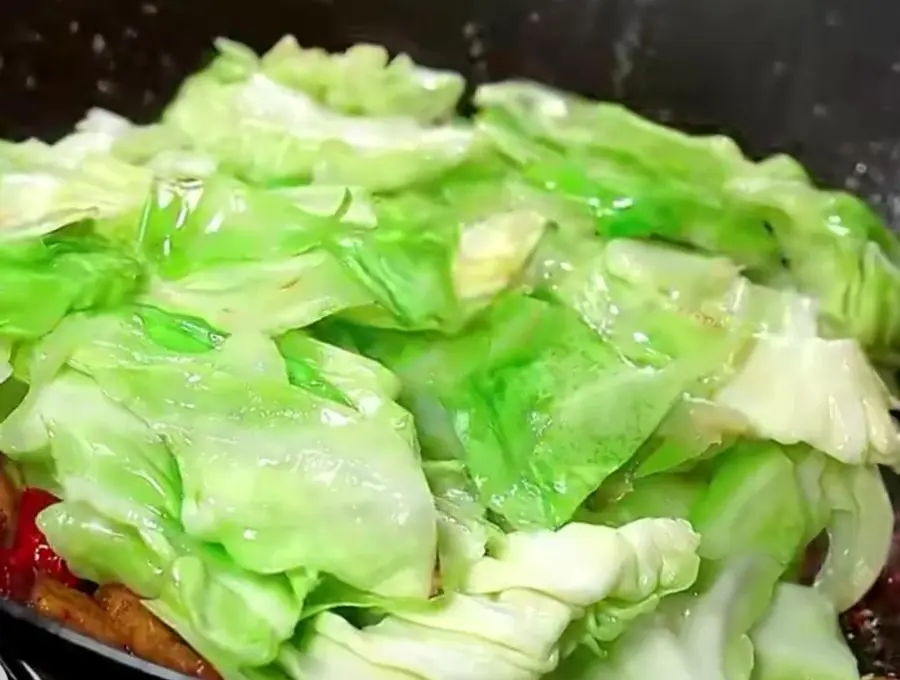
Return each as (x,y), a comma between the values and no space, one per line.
(817,78)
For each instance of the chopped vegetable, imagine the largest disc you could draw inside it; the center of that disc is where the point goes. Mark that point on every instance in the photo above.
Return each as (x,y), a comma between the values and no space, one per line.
(799,636)
(30,553)
(509,618)
(315,379)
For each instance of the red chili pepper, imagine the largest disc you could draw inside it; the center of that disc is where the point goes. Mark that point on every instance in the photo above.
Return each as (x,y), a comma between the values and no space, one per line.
(31,553)
(31,503)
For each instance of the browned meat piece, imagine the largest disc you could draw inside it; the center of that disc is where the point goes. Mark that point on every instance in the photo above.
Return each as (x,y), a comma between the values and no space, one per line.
(147,636)
(74,609)
(9,500)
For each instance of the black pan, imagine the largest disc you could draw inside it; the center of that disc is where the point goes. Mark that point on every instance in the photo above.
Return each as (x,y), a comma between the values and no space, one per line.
(819,79)
(33,647)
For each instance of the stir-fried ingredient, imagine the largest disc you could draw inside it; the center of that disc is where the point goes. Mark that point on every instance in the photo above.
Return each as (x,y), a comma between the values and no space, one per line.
(314,379)
(872,626)
(148,637)
(33,573)
(29,554)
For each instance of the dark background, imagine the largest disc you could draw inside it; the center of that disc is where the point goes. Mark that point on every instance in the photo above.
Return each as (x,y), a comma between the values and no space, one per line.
(817,78)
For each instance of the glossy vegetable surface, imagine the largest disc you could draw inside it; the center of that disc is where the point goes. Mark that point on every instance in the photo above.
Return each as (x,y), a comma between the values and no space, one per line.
(341,384)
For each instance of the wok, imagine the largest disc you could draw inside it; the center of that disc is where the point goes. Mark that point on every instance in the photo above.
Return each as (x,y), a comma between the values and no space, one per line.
(819,79)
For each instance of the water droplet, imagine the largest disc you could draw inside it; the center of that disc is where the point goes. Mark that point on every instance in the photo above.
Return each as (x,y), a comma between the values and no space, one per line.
(149,9)
(74,27)
(470,29)
(98,44)
(820,110)
(860,168)
(534,18)
(30,82)
(104,86)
